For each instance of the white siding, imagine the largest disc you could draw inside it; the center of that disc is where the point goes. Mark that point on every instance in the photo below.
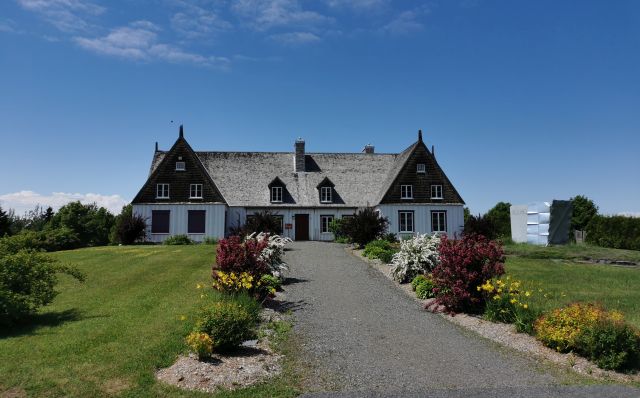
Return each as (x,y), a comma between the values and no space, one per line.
(237,217)
(214,221)
(422,217)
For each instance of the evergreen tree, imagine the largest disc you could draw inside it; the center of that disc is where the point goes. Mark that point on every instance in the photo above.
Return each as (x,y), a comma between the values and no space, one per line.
(5,223)
(584,209)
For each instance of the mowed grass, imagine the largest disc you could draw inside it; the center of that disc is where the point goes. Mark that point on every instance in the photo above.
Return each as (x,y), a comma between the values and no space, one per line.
(566,281)
(108,336)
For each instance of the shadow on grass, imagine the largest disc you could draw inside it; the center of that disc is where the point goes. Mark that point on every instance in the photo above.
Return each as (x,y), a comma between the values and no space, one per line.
(34,322)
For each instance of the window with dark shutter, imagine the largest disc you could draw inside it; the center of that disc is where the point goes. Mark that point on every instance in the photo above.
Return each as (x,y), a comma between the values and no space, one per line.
(196,221)
(160,221)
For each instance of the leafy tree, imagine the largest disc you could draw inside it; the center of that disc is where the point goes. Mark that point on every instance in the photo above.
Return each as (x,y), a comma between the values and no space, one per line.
(92,223)
(129,228)
(500,217)
(480,225)
(5,223)
(48,214)
(584,209)
(467,213)
(365,226)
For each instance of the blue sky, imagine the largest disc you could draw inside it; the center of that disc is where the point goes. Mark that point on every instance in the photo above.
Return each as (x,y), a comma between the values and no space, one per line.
(523,100)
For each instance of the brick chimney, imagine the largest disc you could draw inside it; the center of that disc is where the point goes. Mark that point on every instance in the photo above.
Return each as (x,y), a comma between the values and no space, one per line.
(369,149)
(299,156)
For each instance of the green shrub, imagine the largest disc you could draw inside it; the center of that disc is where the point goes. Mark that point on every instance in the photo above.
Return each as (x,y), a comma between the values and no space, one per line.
(611,344)
(336,227)
(365,226)
(129,228)
(48,240)
(390,237)
(210,240)
(417,280)
(270,283)
(380,249)
(91,223)
(509,301)
(424,289)
(178,240)
(229,320)
(618,232)
(27,282)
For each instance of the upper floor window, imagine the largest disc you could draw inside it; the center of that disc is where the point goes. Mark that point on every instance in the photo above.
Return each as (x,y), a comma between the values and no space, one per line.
(406,191)
(180,166)
(325,194)
(438,221)
(436,192)
(195,191)
(405,219)
(276,194)
(162,191)
(421,168)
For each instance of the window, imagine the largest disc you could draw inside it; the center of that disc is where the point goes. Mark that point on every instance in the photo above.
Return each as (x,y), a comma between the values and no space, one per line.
(280,223)
(406,221)
(324,223)
(325,194)
(436,192)
(421,168)
(276,194)
(162,191)
(438,221)
(196,221)
(160,221)
(195,191)
(180,166)
(406,191)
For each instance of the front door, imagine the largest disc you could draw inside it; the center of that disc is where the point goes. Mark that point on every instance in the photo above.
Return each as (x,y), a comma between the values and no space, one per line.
(302,226)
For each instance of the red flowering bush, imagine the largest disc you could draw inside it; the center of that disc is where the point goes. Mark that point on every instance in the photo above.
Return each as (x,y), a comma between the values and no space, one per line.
(233,255)
(464,265)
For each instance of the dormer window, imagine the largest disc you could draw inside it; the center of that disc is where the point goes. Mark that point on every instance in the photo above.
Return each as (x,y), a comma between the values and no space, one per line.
(276,194)
(180,166)
(326,194)
(436,192)
(162,191)
(421,168)
(406,191)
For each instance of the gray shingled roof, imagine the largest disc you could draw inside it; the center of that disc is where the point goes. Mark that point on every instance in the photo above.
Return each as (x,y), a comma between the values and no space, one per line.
(243,177)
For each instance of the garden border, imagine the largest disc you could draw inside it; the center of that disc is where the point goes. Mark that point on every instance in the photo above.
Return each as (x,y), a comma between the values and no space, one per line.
(506,334)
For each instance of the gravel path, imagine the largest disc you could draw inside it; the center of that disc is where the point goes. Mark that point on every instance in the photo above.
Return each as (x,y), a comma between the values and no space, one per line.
(363,335)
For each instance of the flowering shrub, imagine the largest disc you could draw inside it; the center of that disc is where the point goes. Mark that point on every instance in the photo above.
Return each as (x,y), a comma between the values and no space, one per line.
(273,252)
(200,343)
(508,301)
(233,255)
(418,255)
(464,265)
(560,328)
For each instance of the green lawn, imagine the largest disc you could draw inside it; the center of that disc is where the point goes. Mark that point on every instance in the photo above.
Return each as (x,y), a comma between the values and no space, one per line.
(107,336)
(565,280)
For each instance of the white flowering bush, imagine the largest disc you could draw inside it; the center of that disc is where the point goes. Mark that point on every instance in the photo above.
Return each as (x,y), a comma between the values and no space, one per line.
(274,251)
(418,255)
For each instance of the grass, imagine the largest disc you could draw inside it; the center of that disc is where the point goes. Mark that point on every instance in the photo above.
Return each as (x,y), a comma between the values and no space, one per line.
(109,335)
(554,269)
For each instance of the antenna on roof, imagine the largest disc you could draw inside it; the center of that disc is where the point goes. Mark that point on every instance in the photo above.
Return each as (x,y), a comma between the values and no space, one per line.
(181,132)
(433,151)
(420,135)
(156,146)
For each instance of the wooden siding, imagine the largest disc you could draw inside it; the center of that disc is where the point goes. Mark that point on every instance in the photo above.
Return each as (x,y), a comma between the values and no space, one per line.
(421,182)
(422,217)
(215,219)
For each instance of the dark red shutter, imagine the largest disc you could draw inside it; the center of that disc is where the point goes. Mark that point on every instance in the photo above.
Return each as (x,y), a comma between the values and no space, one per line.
(160,221)
(196,221)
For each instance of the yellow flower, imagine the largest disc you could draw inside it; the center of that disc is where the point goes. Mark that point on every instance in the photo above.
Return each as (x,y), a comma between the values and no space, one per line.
(182,317)
(525,306)
(513,301)
(496,297)
(527,293)
(198,286)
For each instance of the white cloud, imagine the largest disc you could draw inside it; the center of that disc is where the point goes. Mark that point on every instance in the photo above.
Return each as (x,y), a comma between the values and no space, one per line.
(266,14)
(195,22)
(635,214)
(23,201)
(139,41)
(406,22)
(9,26)
(295,38)
(66,15)
(359,5)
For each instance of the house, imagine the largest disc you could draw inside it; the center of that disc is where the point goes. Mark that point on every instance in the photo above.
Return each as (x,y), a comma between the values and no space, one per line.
(209,193)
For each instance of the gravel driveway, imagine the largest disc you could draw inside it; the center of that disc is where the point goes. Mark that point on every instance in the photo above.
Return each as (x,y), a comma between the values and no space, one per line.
(364,337)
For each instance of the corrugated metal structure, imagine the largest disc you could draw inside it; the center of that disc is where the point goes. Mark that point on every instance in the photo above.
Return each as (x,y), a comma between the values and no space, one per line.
(532,223)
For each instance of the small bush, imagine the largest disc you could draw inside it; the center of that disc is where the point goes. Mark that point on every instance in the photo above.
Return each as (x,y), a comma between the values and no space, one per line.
(560,328)
(390,237)
(271,283)
(611,344)
(464,265)
(27,282)
(424,289)
(49,240)
(177,240)
(200,343)
(129,228)
(417,280)
(336,227)
(233,255)
(229,322)
(507,301)
(379,249)
(210,240)
(418,255)
(366,225)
